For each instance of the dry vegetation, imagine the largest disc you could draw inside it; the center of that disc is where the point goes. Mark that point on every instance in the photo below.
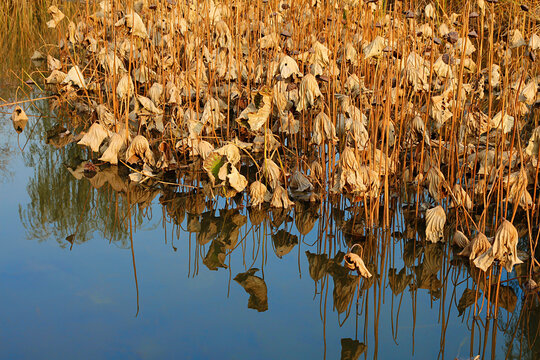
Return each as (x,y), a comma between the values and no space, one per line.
(300,100)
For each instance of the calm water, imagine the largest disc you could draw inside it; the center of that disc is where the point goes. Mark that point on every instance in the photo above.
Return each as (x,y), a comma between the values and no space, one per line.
(193,295)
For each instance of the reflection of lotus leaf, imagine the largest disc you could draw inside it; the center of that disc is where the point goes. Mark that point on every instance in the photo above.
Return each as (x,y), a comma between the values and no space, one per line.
(344,285)
(284,242)
(433,256)
(398,282)
(215,258)
(507,297)
(425,280)
(193,223)
(255,287)
(411,252)
(351,349)
(305,220)
(140,195)
(279,215)
(318,265)
(176,208)
(209,228)
(256,215)
(466,300)
(195,204)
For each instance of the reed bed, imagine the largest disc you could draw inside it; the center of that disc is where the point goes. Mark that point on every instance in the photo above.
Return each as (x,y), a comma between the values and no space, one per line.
(431,108)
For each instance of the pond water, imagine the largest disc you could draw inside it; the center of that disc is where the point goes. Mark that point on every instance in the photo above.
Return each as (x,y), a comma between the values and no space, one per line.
(97,267)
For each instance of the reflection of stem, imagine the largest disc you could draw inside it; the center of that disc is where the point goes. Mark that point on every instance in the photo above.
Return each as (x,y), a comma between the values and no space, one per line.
(133,258)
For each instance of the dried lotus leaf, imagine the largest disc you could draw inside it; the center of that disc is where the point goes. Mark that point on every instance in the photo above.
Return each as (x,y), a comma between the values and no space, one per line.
(529,93)
(272,172)
(429,10)
(503,122)
(53,63)
(375,48)
(257,192)
(323,129)
(140,149)
(149,104)
(300,182)
(116,144)
(308,93)
(515,39)
(534,42)
(19,119)
(505,245)
(94,137)
(263,106)
(125,87)
(237,181)
(435,220)
(155,92)
(460,239)
(75,77)
(133,21)
(288,67)
(57,16)
(280,199)
(461,198)
(231,152)
(56,77)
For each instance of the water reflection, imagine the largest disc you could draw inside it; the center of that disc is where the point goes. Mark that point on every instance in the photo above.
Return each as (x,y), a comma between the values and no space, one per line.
(74,199)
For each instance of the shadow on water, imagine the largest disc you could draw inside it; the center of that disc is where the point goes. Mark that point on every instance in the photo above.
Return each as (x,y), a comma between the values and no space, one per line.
(74,199)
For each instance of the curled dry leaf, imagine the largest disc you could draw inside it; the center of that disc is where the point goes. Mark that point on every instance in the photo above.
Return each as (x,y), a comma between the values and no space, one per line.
(355,262)
(116,144)
(534,42)
(237,181)
(460,240)
(476,247)
(56,77)
(323,129)
(75,77)
(133,21)
(300,182)
(231,152)
(515,39)
(504,249)
(375,48)
(94,137)
(435,220)
(288,67)
(57,16)
(19,119)
(309,92)
(272,172)
(139,149)
(502,122)
(257,192)
(461,198)
(125,87)
(280,199)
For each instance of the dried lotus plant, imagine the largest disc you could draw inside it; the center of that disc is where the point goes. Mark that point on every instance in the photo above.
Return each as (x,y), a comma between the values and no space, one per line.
(435,220)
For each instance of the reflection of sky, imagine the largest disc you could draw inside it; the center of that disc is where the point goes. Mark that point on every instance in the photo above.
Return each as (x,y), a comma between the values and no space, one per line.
(81,304)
